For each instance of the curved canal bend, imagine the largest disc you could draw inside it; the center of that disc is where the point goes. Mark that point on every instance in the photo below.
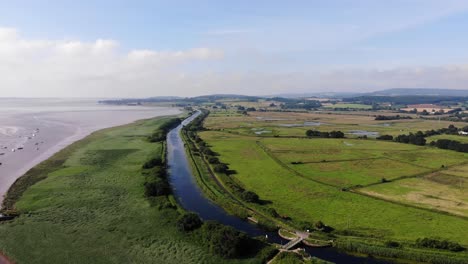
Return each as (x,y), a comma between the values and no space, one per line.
(191,198)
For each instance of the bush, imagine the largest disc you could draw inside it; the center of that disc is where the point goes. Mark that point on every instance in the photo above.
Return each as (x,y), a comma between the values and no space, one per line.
(225,241)
(392,244)
(332,134)
(213,160)
(267,225)
(249,196)
(221,168)
(439,244)
(385,137)
(319,225)
(337,134)
(272,212)
(157,188)
(152,163)
(189,222)
(267,253)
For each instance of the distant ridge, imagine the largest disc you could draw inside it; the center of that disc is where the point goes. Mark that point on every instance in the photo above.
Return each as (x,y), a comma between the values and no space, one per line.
(419,91)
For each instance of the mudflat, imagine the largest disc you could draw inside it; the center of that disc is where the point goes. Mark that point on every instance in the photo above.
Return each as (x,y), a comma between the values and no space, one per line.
(31,130)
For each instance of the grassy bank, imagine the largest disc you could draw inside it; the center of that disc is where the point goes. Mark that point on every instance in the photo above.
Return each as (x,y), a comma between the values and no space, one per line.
(87,204)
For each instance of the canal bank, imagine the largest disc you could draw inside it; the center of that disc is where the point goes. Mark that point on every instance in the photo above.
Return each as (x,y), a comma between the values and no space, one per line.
(191,197)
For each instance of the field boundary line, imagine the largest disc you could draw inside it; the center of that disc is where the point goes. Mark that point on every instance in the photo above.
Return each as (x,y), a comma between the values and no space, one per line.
(279,162)
(417,175)
(355,191)
(336,161)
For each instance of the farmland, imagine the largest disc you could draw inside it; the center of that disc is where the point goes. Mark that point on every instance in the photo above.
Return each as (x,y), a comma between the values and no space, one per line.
(369,188)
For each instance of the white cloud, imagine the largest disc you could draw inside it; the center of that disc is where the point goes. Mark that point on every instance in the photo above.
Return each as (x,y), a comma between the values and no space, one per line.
(77,68)
(63,68)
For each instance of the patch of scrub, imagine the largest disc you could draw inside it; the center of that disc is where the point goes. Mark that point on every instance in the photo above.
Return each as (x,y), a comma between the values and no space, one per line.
(363,133)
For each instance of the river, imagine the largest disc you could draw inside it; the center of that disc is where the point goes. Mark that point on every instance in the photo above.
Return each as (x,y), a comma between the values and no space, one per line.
(191,198)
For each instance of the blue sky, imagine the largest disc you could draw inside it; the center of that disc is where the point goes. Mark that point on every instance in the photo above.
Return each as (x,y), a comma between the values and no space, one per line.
(250,47)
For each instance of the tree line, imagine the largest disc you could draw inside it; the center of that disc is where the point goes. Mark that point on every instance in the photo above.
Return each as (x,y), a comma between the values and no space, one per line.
(419,138)
(332,134)
(155,169)
(211,157)
(395,117)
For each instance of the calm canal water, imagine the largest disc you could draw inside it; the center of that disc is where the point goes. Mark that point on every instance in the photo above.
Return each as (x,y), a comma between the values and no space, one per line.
(190,197)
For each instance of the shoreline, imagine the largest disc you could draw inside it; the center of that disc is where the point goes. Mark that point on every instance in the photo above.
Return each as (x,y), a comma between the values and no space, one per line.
(57,131)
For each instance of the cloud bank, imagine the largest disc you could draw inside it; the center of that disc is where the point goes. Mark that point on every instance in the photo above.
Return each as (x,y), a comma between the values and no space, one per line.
(73,68)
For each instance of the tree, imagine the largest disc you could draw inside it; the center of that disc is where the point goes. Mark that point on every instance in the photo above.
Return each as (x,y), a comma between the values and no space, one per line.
(225,241)
(157,188)
(312,133)
(250,197)
(213,160)
(385,137)
(319,225)
(189,222)
(221,168)
(152,163)
(336,134)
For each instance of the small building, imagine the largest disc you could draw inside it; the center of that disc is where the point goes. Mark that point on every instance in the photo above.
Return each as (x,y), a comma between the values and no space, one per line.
(462,133)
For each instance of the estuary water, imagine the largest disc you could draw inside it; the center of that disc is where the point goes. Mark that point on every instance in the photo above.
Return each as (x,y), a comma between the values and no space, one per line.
(32,130)
(190,197)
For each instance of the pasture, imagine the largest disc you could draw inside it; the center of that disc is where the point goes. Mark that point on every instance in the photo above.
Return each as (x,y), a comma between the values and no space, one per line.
(303,199)
(433,191)
(396,189)
(295,124)
(462,139)
(350,106)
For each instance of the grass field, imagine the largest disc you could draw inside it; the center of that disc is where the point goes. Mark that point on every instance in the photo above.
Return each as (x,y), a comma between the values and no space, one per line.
(462,139)
(91,208)
(461,171)
(436,190)
(303,178)
(350,106)
(306,200)
(296,123)
(349,162)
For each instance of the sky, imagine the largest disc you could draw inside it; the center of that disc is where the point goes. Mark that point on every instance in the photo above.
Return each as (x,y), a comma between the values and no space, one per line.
(114,48)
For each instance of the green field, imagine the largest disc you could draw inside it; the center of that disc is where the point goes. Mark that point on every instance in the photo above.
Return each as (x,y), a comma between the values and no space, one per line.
(305,200)
(91,208)
(350,106)
(462,139)
(398,191)
(434,191)
(286,124)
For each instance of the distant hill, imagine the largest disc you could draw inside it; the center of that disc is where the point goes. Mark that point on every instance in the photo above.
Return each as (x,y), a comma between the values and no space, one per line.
(318,94)
(419,91)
